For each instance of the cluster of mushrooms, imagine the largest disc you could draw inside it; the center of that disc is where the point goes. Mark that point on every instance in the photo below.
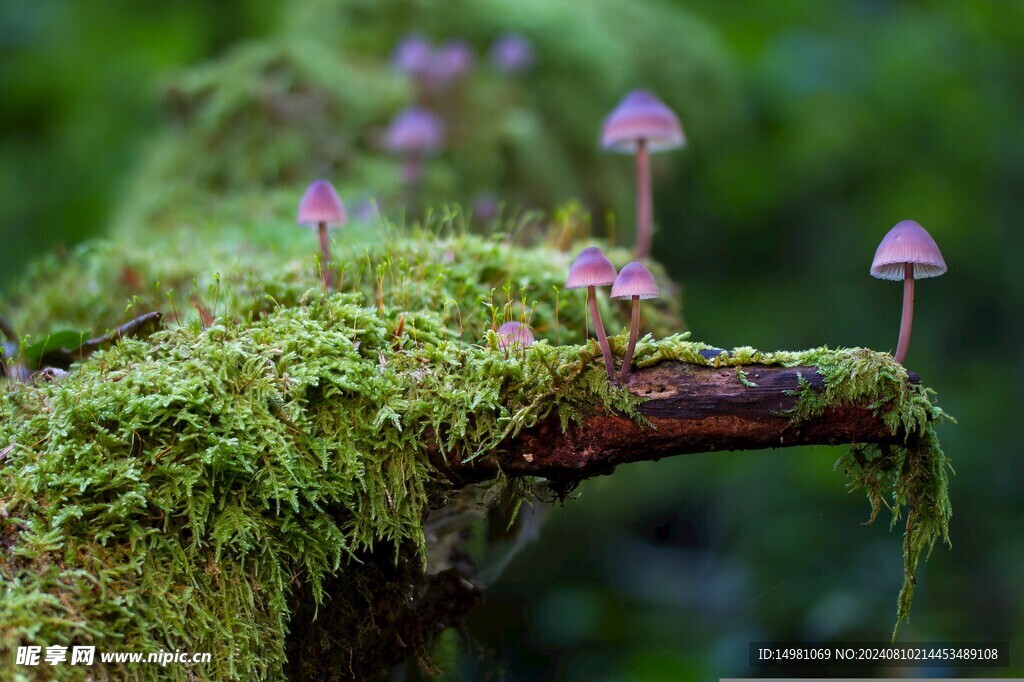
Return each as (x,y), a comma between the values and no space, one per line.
(640,124)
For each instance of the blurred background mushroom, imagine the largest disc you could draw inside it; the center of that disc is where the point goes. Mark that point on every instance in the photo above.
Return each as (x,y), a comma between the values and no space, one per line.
(414,134)
(512,53)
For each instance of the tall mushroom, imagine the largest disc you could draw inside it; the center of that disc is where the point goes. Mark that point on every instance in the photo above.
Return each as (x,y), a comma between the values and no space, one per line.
(635,282)
(414,134)
(641,124)
(321,206)
(592,269)
(907,252)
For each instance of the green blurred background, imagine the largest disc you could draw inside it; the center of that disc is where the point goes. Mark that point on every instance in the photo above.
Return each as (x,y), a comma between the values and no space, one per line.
(813,127)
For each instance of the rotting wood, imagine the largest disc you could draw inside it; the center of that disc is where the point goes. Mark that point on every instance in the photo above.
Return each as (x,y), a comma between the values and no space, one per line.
(691,408)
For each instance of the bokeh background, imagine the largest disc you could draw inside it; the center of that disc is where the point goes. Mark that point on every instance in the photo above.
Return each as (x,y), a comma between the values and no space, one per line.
(813,126)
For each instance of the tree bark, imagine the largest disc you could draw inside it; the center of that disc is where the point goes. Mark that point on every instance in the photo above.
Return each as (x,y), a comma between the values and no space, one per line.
(691,408)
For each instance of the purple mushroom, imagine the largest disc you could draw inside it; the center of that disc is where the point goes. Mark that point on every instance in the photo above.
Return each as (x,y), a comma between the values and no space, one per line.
(634,282)
(512,53)
(639,125)
(514,333)
(414,134)
(321,206)
(907,252)
(592,269)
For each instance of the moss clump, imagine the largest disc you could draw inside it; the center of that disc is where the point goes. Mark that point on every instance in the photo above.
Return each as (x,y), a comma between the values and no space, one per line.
(172,493)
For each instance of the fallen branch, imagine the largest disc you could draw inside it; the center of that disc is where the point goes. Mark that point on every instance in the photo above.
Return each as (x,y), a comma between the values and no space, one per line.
(690,409)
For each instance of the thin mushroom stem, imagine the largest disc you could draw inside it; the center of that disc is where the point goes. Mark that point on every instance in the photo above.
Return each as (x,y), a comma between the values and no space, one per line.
(644,200)
(602,338)
(325,254)
(908,313)
(634,328)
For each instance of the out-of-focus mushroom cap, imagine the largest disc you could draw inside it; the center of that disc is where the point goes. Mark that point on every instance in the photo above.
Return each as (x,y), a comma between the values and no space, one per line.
(415,130)
(514,332)
(413,55)
(642,116)
(451,61)
(907,242)
(590,269)
(512,53)
(635,280)
(321,204)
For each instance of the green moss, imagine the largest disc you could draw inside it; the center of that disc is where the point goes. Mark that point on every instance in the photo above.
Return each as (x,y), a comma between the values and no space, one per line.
(173,492)
(198,489)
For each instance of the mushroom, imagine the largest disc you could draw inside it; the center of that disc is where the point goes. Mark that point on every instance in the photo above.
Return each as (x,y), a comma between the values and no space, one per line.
(592,269)
(413,134)
(449,63)
(512,53)
(412,55)
(321,206)
(512,333)
(907,252)
(635,282)
(641,124)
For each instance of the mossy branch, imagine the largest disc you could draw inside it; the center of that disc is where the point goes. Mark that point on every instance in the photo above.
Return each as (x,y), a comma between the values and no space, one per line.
(688,409)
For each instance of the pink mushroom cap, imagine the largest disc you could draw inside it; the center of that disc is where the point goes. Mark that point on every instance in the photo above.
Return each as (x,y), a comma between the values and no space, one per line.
(514,332)
(590,269)
(512,53)
(413,55)
(321,204)
(907,242)
(415,130)
(635,280)
(451,61)
(642,116)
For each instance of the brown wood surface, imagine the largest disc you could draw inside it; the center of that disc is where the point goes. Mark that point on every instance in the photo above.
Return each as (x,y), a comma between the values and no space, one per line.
(691,408)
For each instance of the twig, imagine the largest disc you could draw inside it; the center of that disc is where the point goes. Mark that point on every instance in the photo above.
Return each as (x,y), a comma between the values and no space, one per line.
(63,357)
(690,409)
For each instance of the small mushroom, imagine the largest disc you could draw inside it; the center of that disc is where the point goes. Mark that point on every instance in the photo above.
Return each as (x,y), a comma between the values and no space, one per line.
(449,63)
(412,55)
(592,269)
(414,134)
(512,53)
(321,206)
(642,123)
(635,282)
(514,333)
(907,252)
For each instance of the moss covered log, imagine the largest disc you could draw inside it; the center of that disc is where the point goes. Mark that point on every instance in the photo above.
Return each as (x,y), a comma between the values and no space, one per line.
(277,476)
